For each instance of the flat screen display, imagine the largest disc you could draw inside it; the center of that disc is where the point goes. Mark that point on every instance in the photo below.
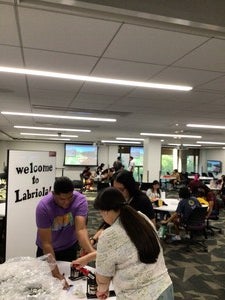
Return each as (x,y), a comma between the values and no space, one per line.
(80,155)
(214,166)
(138,155)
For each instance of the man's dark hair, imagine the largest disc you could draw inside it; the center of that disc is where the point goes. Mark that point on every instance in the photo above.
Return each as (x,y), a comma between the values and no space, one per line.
(63,185)
(184,193)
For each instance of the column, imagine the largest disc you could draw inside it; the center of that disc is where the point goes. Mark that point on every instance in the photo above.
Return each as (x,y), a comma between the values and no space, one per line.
(152,159)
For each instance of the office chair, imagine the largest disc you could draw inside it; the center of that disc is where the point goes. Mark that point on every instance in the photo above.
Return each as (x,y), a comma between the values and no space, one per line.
(102,185)
(196,226)
(145,186)
(204,174)
(211,228)
(210,174)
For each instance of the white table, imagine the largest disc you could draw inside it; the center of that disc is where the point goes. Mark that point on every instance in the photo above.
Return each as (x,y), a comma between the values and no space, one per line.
(170,207)
(201,178)
(78,285)
(2,210)
(213,188)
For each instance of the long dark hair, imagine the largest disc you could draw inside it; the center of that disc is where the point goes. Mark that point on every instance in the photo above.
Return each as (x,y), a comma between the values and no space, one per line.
(139,230)
(127,180)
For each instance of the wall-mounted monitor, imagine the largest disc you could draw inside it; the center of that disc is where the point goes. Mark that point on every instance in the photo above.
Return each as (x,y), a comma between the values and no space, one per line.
(214,166)
(138,155)
(80,155)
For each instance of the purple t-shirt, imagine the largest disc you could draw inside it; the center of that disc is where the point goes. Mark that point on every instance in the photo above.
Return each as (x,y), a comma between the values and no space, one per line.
(60,220)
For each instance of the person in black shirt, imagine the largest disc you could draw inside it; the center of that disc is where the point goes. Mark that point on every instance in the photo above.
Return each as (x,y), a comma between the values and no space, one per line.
(125,182)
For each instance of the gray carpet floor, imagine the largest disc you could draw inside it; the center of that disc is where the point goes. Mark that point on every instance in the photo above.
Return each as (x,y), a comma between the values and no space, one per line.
(196,275)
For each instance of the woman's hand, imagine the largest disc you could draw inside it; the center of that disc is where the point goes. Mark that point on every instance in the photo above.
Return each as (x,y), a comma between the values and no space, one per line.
(102,295)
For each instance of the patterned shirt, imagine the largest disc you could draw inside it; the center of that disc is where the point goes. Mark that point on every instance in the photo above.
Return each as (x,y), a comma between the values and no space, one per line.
(117,257)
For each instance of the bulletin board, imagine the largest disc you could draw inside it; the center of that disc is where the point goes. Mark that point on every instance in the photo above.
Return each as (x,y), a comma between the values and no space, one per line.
(31,175)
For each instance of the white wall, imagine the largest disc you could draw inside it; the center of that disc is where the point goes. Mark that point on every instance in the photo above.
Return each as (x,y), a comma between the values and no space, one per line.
(106,154)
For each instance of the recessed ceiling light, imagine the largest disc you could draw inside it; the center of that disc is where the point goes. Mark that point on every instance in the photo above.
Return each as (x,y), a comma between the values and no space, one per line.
(57,116)
(95,79)
(172,135)
(52,128)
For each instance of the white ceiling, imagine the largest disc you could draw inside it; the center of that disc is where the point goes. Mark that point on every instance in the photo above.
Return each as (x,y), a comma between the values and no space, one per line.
(64,39)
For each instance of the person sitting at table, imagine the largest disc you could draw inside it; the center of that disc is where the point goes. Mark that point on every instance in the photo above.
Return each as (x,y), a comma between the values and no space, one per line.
(222,189)
(154,192)
(175,181)
(183,211)
(129,252)
(201,197)
(87,178)
(195,184)
(125,182)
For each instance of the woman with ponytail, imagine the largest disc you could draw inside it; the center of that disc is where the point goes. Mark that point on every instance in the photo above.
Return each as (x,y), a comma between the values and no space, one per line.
(129,253)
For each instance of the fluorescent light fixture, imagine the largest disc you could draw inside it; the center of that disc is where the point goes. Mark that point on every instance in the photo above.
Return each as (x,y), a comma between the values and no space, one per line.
(56,116)
(206,126)
(59,139)
(47,134)
(211,143)
(120,142)
(52,128)
(191,145)
(52,139)
(185,145)
(129,139)
(95,79)
(172,135)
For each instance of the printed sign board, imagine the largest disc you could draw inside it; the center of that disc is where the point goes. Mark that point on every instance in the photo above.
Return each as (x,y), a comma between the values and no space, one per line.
(31,175)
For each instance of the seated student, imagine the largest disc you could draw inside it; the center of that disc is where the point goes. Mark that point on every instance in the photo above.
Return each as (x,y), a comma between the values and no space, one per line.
(107,175)
(195,184)
(154,193)
(88,178)
(100,169)
(175,174)
(201,197)
(222,189)
(183,211)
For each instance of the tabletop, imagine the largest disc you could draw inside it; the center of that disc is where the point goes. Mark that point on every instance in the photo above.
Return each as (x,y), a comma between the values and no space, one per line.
(78,287)
(2,209)
(213,187)
(201,178)
(170,207)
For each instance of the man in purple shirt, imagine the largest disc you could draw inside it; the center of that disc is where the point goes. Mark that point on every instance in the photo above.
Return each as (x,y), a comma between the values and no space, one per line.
(61,218)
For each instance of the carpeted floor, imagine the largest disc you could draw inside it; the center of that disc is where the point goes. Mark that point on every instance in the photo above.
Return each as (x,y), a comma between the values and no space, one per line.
(196,275)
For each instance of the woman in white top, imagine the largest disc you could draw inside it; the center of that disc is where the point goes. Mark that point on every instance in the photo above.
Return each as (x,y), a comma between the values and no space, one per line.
(154,193)
(129,253)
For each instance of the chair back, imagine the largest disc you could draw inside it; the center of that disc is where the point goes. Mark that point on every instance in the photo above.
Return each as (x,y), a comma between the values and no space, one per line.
(196,220)
(145,186)
(102,185)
